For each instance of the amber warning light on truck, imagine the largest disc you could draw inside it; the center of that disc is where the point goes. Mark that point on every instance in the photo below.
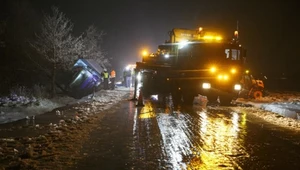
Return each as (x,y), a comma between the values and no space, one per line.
(145,53)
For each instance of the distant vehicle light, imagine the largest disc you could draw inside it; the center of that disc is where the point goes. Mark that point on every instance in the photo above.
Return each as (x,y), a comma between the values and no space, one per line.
(206,86)
(130,66)
(167,55)
(237,87)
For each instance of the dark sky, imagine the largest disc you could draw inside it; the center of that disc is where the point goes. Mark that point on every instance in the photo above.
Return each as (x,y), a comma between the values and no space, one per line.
(269,29)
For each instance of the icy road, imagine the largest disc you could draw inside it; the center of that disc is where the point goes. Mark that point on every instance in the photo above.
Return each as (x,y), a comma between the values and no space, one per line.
(157,137)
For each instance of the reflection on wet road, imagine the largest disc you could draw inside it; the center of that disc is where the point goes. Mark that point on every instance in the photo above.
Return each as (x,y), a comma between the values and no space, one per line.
(212,138)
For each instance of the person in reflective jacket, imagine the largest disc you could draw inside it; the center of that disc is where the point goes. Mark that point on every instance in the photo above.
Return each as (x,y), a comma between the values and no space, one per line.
(112,79)
(105,76)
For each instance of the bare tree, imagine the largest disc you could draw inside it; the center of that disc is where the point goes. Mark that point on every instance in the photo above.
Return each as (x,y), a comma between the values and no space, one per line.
(92,46)
(56,44)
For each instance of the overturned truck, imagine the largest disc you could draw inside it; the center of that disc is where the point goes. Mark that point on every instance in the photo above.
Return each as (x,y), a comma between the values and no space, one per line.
(86,78)
(194,62)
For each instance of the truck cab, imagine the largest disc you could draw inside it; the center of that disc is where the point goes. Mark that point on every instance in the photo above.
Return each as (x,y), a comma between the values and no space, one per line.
(194,62)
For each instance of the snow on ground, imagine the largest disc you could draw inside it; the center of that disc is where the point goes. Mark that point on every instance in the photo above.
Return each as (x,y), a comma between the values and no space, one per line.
(286,104)
(283,108)
(280,108)
(15,108)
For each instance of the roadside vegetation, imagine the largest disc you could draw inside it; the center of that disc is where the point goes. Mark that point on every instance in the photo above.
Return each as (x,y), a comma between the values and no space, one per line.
(39,49)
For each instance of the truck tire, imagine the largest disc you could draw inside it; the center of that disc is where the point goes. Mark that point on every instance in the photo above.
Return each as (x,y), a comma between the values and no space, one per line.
(257,94)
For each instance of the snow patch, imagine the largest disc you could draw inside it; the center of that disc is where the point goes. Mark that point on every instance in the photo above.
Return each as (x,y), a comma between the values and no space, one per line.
(19,107)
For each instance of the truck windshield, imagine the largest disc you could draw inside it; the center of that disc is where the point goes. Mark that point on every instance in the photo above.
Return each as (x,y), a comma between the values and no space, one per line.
(164,49)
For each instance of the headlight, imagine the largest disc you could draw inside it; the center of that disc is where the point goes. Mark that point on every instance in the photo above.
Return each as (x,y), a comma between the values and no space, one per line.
(237,87)
(223,77)
(206,86)
(167,55)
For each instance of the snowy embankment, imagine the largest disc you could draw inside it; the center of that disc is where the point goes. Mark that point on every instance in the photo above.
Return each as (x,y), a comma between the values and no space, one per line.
(280,108)
(15,108)
(286,104)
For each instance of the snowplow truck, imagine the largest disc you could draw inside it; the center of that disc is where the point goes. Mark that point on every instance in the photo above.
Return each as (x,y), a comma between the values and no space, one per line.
(194,62)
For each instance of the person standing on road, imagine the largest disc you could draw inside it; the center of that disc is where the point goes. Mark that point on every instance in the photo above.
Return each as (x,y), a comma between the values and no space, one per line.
(112,78)
(124,78)
(128,78)
(132,77)
(105,76)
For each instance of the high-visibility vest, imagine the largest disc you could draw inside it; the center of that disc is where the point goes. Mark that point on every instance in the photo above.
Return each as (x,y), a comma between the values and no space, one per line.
(105,75)
(113,74)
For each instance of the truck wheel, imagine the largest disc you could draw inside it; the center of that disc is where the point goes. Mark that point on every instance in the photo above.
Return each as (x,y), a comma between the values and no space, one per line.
(257,94)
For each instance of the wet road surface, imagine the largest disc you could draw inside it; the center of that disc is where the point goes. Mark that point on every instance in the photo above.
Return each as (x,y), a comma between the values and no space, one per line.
(158,137)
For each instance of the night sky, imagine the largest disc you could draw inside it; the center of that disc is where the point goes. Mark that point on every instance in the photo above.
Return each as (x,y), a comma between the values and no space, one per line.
(269,30)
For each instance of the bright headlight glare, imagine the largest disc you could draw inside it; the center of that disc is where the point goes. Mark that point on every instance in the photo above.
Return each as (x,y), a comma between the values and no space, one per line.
(206,86)
(167,55)
(237,87)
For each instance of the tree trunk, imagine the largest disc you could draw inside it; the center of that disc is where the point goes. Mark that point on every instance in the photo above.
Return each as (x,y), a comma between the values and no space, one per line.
(53,92)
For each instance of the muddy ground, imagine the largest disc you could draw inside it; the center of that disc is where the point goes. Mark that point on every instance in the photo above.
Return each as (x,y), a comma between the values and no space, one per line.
(55,145)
